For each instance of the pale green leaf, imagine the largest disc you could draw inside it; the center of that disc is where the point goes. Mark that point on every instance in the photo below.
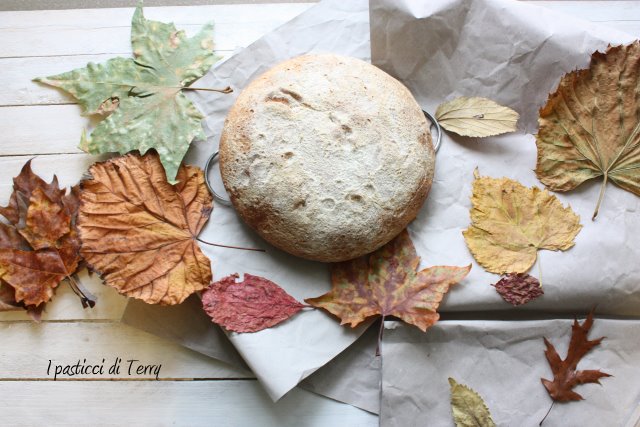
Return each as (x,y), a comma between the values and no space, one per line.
(98,87)
(144,95)
(469,410)
(476,117)
(149,122)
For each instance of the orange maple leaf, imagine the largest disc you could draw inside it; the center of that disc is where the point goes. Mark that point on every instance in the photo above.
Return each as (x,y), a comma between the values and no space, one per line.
(387,283)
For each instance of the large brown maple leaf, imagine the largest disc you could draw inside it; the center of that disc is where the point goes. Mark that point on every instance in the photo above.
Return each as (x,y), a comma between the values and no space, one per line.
(565,375)
(590,126)
(40,246)
(139,232)
(386,282)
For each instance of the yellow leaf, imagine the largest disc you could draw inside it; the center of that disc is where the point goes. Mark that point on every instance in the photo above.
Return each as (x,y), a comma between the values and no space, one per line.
(469,410)
(477,117)
(590,126)
(510,223)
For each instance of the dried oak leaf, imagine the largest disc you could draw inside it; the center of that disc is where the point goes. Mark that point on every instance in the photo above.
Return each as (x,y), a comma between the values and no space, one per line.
(139,232)
(251,305)
(476,117)
(39,247)
(143,96)
(386,282)
(518,288)
(510,223)
(565,375)
(590,126)
(468,408)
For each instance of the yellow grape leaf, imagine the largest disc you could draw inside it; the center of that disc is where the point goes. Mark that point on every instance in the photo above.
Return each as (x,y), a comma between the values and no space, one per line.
(469,410)
(590,126)
(476,117)
(510,223)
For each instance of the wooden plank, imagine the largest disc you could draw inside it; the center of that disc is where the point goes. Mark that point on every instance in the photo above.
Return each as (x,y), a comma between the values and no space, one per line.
(100,31)
(192,403)
(99,344)
(41,129)
(69,168)
(66,305)
(17,87)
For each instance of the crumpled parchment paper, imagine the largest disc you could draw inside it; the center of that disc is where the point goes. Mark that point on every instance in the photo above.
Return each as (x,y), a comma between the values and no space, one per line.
(503,362)
(511,52)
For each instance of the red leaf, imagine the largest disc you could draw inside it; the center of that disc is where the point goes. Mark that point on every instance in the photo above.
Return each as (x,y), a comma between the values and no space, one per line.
(518,289)
(565,376)
(252,305)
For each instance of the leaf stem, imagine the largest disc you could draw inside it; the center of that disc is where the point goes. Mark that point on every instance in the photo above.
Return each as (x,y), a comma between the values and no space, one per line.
(380,333)
(225,90)
(230,247)
(601,196)
(85,296)
(540,269)
(545,415)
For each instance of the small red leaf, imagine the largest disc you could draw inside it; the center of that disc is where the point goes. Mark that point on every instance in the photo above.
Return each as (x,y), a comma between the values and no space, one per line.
(518,289)
(252,305)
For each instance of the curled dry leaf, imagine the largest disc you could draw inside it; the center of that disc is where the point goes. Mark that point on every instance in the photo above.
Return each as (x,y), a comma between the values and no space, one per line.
(565,375)
(251,305)
(518,288)
(476,117)
(590,126)
(468,408)
(39,247)
(510,223)
(143,96)
(139,232)
(386,282)
(8,298)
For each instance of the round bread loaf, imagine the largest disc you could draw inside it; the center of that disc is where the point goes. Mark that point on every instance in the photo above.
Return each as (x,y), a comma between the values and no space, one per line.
(326,157)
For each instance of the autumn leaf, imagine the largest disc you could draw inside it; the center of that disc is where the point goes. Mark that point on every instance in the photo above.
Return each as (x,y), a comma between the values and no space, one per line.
(139,232)
(39,247)
(565,375)
(143,96)
(510,223)
(386,282)
(469,410)
(7,298)
(476,117)
(251,305)
(518,288)
(590,126)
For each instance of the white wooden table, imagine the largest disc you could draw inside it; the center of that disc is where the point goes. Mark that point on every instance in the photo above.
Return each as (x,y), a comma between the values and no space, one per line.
(40,121)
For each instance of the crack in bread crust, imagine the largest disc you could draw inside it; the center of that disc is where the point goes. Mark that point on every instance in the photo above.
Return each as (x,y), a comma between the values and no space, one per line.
(326,157)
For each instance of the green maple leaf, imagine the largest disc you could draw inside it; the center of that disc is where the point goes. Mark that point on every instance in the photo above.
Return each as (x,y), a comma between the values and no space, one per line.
(142,97)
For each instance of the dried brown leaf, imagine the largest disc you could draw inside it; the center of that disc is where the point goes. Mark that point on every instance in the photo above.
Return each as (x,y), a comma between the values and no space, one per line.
(40,246)
(565,375)
(386,282)
(590,126)
(139,232)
